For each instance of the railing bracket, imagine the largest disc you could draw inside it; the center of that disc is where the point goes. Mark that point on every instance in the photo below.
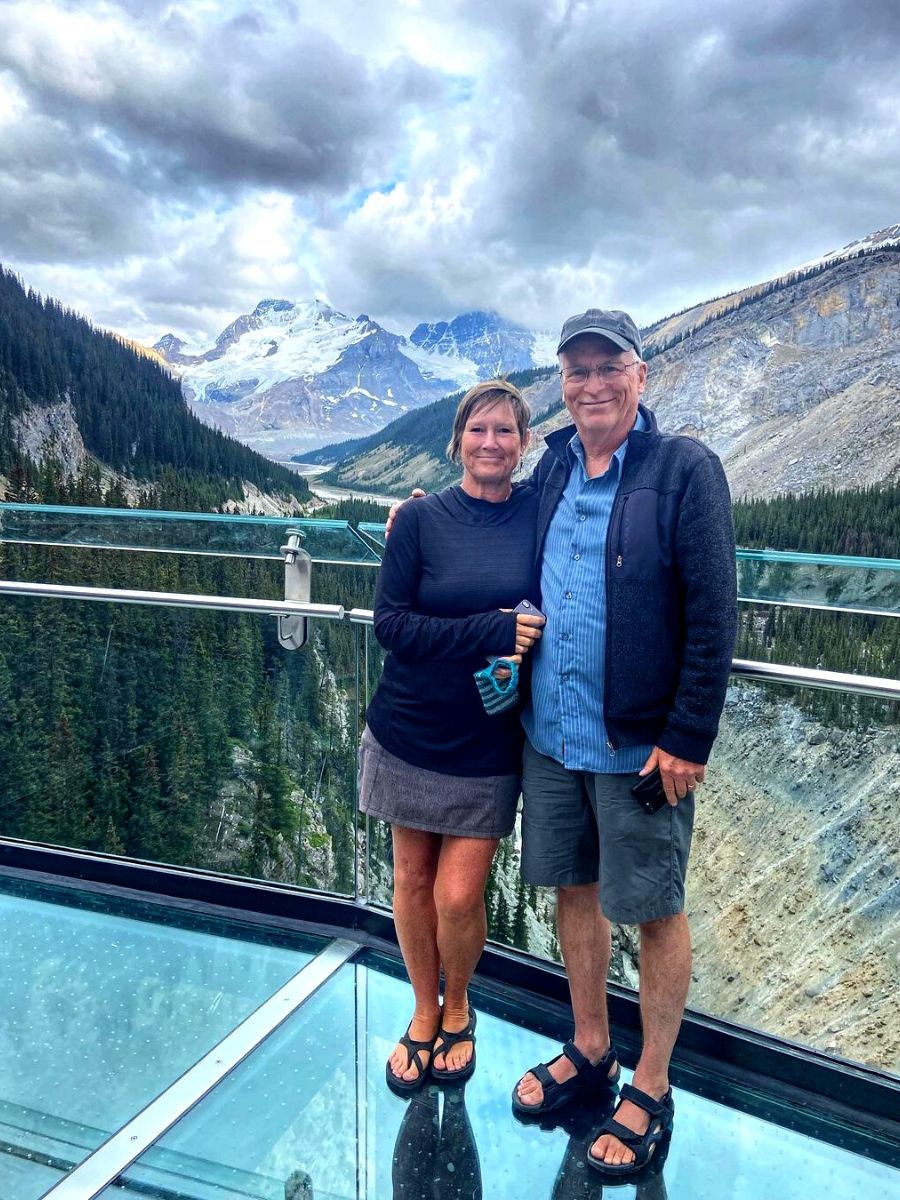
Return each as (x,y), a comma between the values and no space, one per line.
(292,630)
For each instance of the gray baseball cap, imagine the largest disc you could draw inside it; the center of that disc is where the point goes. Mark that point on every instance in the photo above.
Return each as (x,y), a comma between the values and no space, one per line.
(610,323)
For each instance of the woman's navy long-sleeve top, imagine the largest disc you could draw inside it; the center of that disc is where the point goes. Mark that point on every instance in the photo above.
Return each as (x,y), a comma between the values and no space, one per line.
(451,563)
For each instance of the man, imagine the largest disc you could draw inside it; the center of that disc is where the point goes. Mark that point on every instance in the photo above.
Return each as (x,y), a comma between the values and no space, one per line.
(637,580)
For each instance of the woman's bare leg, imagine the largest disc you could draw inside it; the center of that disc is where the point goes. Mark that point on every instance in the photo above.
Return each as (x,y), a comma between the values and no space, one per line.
(416,856)
(462,873)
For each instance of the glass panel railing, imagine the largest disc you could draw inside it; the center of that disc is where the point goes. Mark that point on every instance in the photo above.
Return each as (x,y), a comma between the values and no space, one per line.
(850,642)
(829,581)
(192,737)
(180,736)
(793,890)
(373,530)
(180,533)
(103,1011)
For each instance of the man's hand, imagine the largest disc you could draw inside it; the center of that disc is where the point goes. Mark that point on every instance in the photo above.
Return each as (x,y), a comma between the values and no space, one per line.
(678,775)
(528,631)
(415,494)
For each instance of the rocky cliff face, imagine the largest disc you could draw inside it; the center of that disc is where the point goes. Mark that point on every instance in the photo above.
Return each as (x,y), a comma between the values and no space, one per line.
(794,888)
(799,388)
(52,431)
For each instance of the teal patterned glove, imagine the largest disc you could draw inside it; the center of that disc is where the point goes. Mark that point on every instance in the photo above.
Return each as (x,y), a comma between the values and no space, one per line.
(497,695)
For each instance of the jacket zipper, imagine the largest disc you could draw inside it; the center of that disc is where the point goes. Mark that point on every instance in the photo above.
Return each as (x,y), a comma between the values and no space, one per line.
(619,562)
(620,557)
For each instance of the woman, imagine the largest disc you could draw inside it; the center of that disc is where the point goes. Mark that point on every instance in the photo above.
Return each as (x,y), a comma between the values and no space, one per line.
(433,762)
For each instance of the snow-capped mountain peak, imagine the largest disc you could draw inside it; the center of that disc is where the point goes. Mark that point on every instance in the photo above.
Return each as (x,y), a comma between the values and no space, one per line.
(292,375)
(486,339)
(880,239)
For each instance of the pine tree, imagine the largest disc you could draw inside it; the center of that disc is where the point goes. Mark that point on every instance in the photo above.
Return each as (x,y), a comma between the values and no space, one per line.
(520,925)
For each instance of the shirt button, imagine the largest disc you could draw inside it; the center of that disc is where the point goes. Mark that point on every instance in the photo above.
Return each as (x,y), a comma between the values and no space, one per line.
(564,678)
(582,518)
(564,637)
(576,556)
(568,595)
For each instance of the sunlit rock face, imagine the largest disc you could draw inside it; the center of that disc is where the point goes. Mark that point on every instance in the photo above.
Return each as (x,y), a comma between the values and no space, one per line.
(797,388)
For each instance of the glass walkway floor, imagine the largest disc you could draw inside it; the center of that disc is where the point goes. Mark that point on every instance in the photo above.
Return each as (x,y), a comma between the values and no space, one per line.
(150,1050)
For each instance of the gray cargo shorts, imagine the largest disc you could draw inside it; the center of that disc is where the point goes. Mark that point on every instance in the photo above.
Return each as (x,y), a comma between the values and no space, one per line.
(578,827)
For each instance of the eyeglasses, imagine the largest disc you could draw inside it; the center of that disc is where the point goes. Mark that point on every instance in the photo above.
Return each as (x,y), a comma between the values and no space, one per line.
(606,372)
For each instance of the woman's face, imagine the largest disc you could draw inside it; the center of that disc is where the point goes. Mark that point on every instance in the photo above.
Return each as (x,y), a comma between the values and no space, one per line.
(490,447)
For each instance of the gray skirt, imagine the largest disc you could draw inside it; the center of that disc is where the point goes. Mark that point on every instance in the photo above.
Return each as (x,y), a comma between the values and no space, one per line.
(461,805)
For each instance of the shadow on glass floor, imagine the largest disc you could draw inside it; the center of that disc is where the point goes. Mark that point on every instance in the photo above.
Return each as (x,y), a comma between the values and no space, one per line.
(308,1117)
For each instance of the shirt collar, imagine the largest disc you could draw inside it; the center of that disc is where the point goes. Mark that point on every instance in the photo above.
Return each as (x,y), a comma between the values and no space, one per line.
(575,449)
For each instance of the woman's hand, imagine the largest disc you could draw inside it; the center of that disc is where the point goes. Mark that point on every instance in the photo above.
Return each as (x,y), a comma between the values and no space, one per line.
(528,631)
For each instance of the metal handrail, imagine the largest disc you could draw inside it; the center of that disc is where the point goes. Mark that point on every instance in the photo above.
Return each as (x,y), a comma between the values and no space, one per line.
(267,608)
(837,681)
(860,685)
(834,681)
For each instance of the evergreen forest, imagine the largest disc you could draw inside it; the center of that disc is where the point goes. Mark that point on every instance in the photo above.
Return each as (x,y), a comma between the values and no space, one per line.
(129,412)
(179,735)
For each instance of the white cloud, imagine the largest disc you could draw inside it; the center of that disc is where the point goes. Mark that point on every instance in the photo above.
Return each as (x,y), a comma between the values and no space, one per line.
(166,165)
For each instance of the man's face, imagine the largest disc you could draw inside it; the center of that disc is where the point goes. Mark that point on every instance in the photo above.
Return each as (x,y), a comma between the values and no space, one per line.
(603,407)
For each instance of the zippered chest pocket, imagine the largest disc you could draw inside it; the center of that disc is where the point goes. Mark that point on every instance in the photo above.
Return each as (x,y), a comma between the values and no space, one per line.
(642,535)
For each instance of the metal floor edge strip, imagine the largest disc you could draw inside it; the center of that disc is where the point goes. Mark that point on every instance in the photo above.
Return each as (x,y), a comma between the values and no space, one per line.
(127,1144)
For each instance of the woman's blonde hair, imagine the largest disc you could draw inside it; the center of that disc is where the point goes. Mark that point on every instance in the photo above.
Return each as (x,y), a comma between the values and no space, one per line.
(485,395)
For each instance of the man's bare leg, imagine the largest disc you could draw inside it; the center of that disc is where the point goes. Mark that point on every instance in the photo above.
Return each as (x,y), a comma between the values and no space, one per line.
(665,978)
(461,931)
(584,938)
(415,919)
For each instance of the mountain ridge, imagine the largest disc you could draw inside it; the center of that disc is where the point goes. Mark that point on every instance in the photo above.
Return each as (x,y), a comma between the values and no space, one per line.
(794,382)
(290,376)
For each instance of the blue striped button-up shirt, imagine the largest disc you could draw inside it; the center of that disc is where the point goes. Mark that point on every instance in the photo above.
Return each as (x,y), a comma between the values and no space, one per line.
(564,719)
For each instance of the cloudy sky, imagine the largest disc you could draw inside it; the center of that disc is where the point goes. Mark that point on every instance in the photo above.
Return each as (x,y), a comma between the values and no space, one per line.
(167,165)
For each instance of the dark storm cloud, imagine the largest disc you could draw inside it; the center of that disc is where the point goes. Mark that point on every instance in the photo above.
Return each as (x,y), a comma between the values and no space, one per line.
(59,199)
(243,103)
(678,134)
(660,151)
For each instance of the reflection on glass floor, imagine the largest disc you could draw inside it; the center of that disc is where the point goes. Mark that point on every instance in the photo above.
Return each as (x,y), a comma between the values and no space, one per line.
(308,1117)
(103,1011)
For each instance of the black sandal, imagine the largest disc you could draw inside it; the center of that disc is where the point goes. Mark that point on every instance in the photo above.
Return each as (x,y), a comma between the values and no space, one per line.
(644,1145)
(589,1080)
(448,1041)
(403,1087)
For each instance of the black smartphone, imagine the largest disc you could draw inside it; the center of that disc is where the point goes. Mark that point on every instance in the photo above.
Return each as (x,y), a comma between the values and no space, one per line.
(649,792)
(525,606)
